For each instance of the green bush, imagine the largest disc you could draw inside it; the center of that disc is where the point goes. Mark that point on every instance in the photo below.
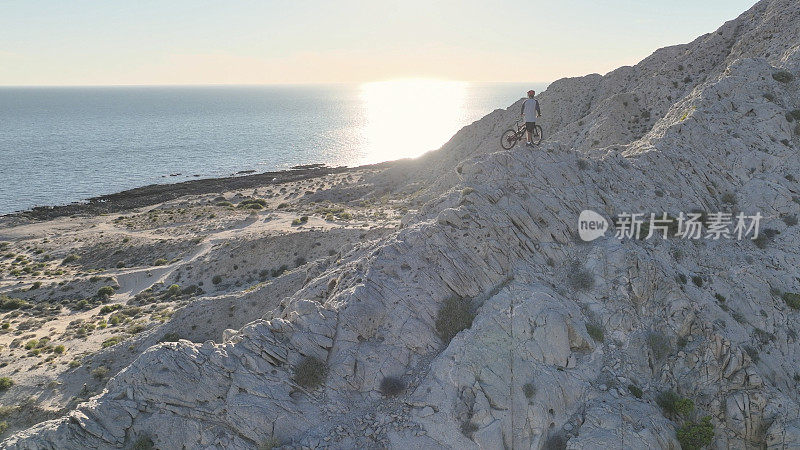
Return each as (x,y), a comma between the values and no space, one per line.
(105,292)
(697,280)
(174,290)
(673,403)
(659,344)
(783,76)
(72,257)
(529,390)
(217,279)
(696,435)
(143,443)
(5,383)
(160,262)
(793,115)
(8,303)
(596,332)
(113,340)
(279,271)
(100,372)
(59,349)
(300,220)
(454,316)
(110,308)
(310,372)
(792,299)
(635,390)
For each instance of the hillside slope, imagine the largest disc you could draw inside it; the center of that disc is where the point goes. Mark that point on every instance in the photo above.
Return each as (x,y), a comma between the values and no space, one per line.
(572,342)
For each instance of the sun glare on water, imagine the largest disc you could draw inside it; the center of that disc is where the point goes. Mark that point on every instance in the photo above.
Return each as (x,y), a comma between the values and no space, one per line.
(406,118)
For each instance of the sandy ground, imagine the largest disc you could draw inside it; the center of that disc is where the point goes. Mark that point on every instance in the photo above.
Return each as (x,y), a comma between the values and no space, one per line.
(83,295)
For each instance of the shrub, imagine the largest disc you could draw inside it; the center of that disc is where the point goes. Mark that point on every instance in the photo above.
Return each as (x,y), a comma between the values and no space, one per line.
(113,340)
(72,257)
(59,349)
(681,278)
(105,292)
(5,383)
(729,198)
(783,76)
(719,297)
(659,344)
(74,363)
(455,315)
(595,331)
(793,115)
(770,97)
(224,203)
(635,390)
(160,262)
(9,303)
(790,221)
(143,443)
(170,337)
(174,290)
(299,261)
(310,372)
(100,372)
(579,278)
(279,271)
(696,435)
(110,308)
(283,205)
(765,238)
(269,444)
(697,280)
(673,403)
(392,386)
(300,221)
(792,299)
(529,390)
(3,426)
(217,279)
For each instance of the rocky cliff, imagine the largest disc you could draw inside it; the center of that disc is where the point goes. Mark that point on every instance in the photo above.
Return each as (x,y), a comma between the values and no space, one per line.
(573,344)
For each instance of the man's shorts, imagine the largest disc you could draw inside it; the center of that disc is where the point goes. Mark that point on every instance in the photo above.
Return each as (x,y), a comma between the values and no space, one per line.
(529,126)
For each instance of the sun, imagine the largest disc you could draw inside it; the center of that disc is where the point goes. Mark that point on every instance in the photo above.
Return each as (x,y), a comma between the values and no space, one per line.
(408,117)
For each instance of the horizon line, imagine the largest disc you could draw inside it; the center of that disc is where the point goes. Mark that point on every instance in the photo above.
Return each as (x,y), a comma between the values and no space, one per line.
(326,83)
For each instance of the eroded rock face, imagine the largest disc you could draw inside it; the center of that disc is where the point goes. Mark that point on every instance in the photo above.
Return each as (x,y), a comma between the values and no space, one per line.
(678,131)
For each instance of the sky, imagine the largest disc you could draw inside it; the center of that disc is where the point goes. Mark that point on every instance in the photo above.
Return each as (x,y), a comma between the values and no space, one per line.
(143,42)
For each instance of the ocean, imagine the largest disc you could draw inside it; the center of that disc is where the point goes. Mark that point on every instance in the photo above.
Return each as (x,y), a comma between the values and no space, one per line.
(65,144)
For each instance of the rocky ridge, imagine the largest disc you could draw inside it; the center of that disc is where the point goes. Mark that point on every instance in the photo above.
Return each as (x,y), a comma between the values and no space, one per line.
(697,126)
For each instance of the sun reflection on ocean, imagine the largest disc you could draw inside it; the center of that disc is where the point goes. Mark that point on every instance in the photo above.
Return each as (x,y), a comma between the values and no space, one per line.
(406,118)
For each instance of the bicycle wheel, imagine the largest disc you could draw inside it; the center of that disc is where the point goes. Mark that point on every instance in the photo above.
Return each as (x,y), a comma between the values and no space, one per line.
(509,139)
(537,135)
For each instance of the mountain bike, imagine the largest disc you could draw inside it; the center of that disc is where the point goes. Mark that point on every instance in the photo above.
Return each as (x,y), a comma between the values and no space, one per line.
(511,136)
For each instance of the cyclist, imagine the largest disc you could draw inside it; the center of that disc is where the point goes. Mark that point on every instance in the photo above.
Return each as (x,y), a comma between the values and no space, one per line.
(530,111)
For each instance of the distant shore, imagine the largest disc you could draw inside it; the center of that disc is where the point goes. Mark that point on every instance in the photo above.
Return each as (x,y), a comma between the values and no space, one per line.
(158,193)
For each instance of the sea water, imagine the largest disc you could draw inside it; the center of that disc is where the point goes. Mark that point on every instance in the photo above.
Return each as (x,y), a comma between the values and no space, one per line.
(65,144)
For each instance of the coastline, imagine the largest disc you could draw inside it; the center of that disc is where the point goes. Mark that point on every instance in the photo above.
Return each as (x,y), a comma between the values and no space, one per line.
(153,194)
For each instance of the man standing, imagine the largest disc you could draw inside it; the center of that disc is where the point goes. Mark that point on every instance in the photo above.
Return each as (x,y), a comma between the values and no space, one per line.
(530,110)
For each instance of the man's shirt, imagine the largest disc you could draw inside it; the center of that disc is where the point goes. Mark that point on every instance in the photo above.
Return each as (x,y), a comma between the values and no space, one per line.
(530,107)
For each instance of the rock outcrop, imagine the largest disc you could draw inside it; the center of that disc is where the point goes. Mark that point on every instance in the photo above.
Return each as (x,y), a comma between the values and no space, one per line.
(701,126)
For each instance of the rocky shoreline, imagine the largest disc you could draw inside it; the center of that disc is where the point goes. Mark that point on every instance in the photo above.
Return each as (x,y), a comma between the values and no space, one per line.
(158,193)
